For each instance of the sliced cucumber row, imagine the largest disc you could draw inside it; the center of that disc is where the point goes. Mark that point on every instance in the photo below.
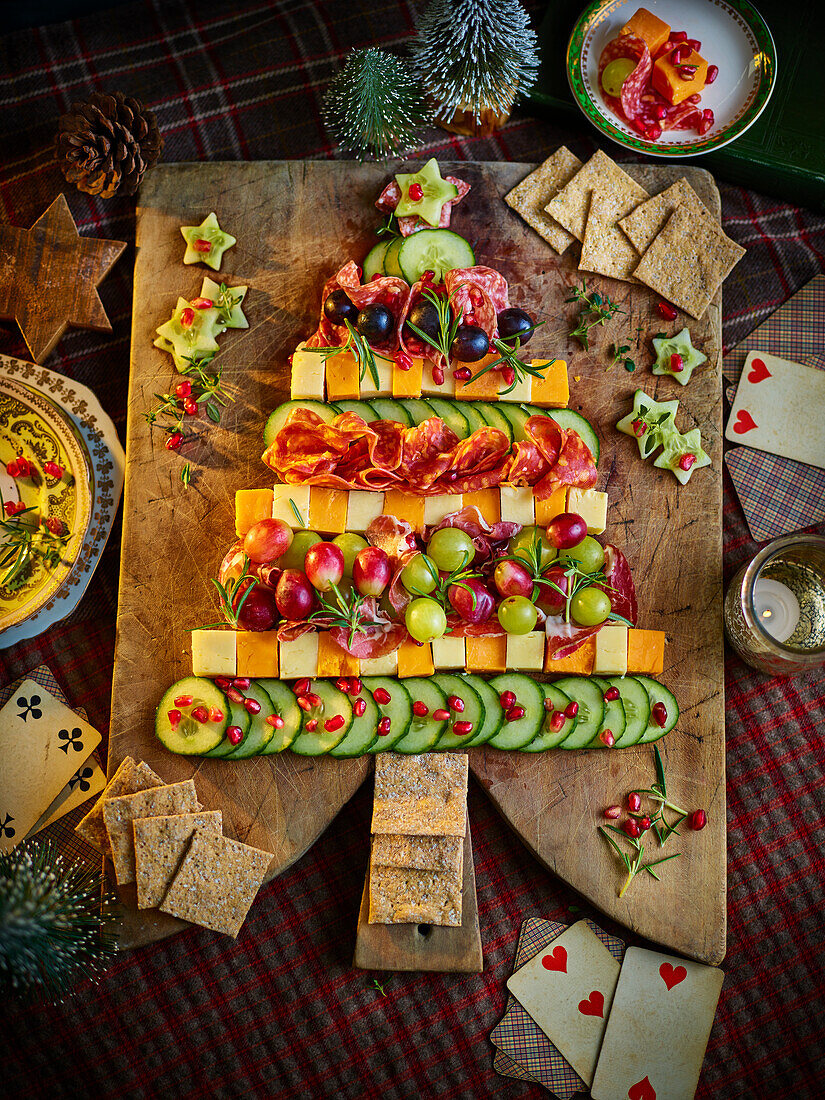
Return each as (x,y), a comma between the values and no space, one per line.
(436,250)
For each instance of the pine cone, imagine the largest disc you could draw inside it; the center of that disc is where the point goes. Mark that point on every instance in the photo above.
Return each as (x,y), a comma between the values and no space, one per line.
(104,145)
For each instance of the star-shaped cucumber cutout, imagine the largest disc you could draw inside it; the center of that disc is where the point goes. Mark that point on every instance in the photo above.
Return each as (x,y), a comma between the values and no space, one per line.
(227,300)
(206,243)
(676,451)
(680,345)
(649,423)
(190,333)
(424,193)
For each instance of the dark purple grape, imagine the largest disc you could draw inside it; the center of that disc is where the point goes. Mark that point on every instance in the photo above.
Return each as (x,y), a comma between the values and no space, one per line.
(471,344)
(515,322)
(424,315)
(375,323)
(338,308)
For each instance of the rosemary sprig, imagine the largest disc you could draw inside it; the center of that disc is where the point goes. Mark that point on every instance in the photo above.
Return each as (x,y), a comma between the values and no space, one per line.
(595,310)
(448,325)
(207,387)
(389,227)
(228,593)
(297,512)
(361,351)
(346,611)
(633,864)
(509,359)
(226,302)
(21,542)
(186,475)
(458,577)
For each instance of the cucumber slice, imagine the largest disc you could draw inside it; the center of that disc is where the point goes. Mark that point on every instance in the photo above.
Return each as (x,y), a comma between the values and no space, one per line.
(568,418)
(283,703)
(190,737)
(360,408)
(423,733)
(374,260)
(436,250)
(398,710)
(658,693)
(528,693)
(590,715)
(548,738)
(493,714)
(238,716)
(614,716)
(260,731)
(451,414)
(278,416)
(636,703)
(495,418)
(321,740)
(362,734)
(518,417)
(453,684)
(391,264)
(388,409)
(472,415)
(417,409)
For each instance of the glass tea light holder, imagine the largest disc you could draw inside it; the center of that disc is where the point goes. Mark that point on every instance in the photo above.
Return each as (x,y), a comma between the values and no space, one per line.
(775,607)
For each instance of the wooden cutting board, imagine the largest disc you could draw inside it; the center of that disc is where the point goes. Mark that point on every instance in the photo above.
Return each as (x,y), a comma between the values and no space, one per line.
(295,223)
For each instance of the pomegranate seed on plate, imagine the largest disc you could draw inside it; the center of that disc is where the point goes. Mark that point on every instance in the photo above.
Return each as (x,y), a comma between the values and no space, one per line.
(52,469)
(653,133)
(463,374)
(13,468)
(631,827)
(234,695)
(677,363)
(190,406)
(252,706)
(416,192)
(666,310)
(202,303)
(462,727)
(304,703)
(384,727)
(420,710)
(695,44)
(613,812)
(184,388)
(358,707)
(514,713)
(571,710)
(678,36)
(507,699)
(312,725)
(611,694)
(382,696)
(215,715)
(706,121)
(441,715)
(660,111)
(645,823)
(54,525)
(438,376)
(241,682)
(508,374)
(174,717)
(187,317)
(557,720)
(201,245)
(200,714)
(342,683)
(634,802)
(713,72)
(403,361)
(354,686)
(174,441)
(301,687)
(274,720)
(234,735)
(314,700)
(334,723)
(606,737)
(686,461)
(222,682)
(455,703)
(184,700)
(659,714)
(12,507)
(698,820)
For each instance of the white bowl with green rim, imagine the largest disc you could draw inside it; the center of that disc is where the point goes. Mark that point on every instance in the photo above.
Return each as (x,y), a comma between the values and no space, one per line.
(734,36)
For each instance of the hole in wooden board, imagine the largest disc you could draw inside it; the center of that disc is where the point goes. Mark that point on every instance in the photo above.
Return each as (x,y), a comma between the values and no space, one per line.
(424,930)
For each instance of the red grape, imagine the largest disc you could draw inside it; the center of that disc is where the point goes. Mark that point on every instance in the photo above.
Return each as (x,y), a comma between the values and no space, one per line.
(462,601)
(371,571)
(267,540)
(294,595)
(566,530)
(549,599)
(512,579)
(259,611)
(324,565)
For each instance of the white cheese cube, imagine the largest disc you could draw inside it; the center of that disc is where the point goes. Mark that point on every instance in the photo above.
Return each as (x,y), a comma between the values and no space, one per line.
(307,375)
(436,508)
(431,388)
(525,652)
(611,650)
(281,507)
(521,392)
(213,653)
(299,657)
(384,369)
(591,506)
(380,666)
(448,652)
(517,505)
(362,508)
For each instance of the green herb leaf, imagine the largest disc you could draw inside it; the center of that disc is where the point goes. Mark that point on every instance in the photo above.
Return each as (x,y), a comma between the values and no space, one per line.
(298,515)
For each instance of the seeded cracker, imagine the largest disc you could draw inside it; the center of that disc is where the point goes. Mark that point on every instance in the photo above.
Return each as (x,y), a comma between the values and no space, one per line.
(217,882)
(160,845)
(422,795)
(570,206)
(688,260)
(120,812)
(128,779)
(649,218)
(530,197)
(420,853)
(605,248)
(402,896)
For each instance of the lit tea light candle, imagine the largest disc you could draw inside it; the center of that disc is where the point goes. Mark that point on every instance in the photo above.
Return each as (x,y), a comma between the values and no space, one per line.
(776,608)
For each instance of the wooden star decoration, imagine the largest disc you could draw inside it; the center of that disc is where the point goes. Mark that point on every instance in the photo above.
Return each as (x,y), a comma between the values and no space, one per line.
(49,276)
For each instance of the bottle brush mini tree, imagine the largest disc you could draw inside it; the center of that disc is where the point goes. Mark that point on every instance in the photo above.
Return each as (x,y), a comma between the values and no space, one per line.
(375,105)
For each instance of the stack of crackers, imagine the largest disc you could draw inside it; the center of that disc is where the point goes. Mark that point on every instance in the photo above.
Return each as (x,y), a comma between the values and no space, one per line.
(671,242)
(419,822)
(159,837)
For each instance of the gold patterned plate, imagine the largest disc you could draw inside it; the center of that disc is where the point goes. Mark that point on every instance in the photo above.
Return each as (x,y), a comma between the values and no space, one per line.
(30,427)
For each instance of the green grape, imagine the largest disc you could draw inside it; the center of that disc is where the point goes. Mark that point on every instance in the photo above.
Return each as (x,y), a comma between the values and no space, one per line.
(588,555)
(416,577)
(590,606)
(294,557)
(521,546)
(451,549)
(517,614)
(350,544)
(425,619)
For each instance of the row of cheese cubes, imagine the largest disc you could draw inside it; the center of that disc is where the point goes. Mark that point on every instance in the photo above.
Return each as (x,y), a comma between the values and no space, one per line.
(333,511)
(338,378)
(613,651)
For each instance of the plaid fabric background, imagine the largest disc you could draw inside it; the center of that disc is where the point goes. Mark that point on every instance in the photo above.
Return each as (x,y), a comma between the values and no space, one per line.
(281,1013)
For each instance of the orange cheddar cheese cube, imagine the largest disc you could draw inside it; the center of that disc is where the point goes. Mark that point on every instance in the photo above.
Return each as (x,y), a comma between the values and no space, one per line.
(646,651)
(483,389)
(251,505)
(488,502)
(407,383)
(257,653)
(553,390)
(486,654)
(551,506)
(676,82)
(644,24)
(342,377)
(405,506)
(334,661)
(415,660)
(579,663)
(328,510)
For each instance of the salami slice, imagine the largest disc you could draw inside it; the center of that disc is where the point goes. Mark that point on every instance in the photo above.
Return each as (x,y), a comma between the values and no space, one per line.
(478,295)
(629,106)
(387,291)
(328,335)
(407,340)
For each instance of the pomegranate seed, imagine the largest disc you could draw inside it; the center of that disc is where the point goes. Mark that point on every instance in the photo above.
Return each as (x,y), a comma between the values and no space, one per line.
(686,461)
(215,715)
(13,468)
(557,720)
(438,376)
(174,717)
(508,375)
(241,682)
(659,111)
(416,192)
(462,727)
(184,701)
(687,72)
(342,684)
(234,735)
(200,714)
(606,737)
(252,706)
(677,364)
(301,687)
(678,36)
(190,406)
(12,507)
(634,802)
(183,389)
(420,710)
(611,694)
(355,686)
(680,54)
(645,823)
(202,303)
(314,700)
(514,713)
(613,812)
(507,699)
(654,132)
(54,525)
(713,72)
(548,705)
(441,715)
(462,374)
(666,310)
(382,696)
(334,723)
(403,361)
(698,820)
(384,727)
(234,695)
(274,720)
(631,827)
(187,317)
(695,44)
(52,469)
(201,245)
(304,703)
(454,702)
(659,714)
(358,707)
(174,441)
(312,725)
(222,682)
(706,121)
(571,710)
(639,427)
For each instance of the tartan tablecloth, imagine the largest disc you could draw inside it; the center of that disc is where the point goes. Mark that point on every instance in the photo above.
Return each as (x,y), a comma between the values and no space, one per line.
(281,1012)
